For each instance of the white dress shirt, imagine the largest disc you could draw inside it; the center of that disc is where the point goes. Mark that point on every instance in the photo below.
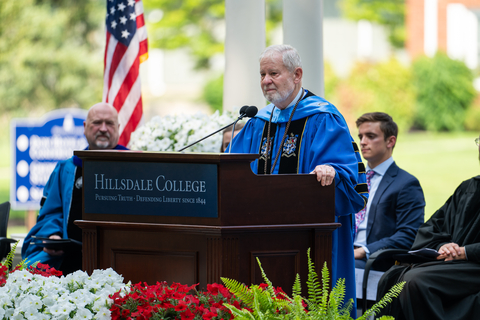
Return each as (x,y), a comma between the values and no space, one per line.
(361,236)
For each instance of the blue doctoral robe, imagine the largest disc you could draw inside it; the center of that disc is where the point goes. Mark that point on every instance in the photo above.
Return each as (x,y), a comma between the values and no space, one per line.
(54,214)
(326,140)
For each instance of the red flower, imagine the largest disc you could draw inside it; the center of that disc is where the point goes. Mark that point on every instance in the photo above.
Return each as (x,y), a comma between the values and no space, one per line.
(209,315)
(213,288)
(187,315)
(191,299)
(224,291)
(182,305)
(178,296)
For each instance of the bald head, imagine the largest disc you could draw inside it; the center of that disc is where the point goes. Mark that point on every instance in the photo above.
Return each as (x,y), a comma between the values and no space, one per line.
(101,127)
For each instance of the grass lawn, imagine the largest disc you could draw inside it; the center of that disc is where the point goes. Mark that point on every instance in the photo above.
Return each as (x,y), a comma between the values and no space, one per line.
(439,160)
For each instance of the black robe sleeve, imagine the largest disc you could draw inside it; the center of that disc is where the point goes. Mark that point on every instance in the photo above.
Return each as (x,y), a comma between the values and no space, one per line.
(458,221)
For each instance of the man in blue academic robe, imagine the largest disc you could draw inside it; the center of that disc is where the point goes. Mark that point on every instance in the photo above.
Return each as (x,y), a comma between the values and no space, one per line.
(304,133)
(62,196)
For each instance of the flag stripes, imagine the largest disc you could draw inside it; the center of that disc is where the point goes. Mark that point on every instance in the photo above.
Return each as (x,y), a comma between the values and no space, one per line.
(126,47)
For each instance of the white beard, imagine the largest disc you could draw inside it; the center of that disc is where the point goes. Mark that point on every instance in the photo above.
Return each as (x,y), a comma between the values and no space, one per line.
(279,96)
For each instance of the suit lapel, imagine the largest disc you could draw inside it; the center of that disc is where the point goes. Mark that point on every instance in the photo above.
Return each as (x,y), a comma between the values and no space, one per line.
(387,179)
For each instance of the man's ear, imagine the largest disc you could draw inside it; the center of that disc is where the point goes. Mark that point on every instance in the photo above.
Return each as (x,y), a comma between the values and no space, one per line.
(391,141)
(297,75)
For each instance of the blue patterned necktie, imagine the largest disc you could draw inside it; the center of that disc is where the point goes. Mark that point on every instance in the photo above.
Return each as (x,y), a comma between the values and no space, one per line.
(360,215)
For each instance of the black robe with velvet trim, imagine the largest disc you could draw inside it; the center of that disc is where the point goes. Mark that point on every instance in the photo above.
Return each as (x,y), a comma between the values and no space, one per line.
(442,289)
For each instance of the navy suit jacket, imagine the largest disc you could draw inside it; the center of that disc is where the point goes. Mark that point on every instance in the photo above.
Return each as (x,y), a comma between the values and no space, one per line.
(396,212)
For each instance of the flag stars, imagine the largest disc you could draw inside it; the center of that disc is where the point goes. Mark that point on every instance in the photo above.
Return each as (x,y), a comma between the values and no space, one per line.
(131,3)
(112,10)
(133,16)
(123,20)
(121,7)
(125,34)
(114,24)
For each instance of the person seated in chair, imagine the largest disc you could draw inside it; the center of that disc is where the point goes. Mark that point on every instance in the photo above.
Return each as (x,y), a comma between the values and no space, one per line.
(448,287)
(395,208)
(62,196)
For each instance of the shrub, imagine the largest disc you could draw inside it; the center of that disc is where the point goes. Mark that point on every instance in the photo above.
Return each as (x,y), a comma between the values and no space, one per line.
(472,117)
(385,87)
(331,81)
(213,93)
(444,92)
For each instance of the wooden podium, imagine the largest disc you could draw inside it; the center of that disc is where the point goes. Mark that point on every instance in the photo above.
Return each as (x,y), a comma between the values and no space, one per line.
(193,218)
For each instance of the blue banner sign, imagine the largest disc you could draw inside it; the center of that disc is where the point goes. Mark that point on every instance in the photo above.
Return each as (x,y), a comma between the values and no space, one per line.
(37,145)
(147,188)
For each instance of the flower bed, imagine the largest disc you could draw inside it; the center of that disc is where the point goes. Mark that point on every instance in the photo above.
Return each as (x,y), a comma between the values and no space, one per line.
(44,293)
(177,301)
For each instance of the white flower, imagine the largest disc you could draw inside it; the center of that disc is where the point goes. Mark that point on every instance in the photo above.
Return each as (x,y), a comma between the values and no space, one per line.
(17,316)
(61,309)
(31,301)
(9,313)
(103,314)
(20,275)
(83,313)
(42,316)
(31,313)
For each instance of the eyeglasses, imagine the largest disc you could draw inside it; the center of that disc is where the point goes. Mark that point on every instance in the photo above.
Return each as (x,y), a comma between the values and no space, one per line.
(477,140)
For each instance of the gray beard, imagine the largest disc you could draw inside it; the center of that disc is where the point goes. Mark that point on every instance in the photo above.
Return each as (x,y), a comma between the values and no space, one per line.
(277,97)
(102,144)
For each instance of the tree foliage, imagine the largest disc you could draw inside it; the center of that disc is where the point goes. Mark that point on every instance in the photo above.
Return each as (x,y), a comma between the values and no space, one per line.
(389,13)
(385,86)
(197,25)
(51,54)
(444,92)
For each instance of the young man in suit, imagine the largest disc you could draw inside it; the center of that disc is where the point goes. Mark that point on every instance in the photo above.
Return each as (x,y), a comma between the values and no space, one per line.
(395,209)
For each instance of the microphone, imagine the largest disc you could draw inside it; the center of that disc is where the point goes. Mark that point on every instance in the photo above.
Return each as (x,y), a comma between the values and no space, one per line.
(249,112)
(245,111)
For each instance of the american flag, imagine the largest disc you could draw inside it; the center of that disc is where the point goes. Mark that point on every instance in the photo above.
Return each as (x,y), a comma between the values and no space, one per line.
(125,49)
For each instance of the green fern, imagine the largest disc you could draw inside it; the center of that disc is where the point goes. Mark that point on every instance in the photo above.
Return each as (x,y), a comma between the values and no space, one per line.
(267,281)
(240,290)
(316,295)
(297,286)
(392,293)
(23,264)
(9,259)
(322,303)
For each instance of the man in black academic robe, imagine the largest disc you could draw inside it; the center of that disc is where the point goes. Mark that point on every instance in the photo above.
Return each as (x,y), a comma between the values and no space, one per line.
(448,288)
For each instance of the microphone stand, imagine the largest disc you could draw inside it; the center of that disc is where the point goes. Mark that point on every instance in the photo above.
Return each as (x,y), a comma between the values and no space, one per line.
(211,134)
(233,132)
